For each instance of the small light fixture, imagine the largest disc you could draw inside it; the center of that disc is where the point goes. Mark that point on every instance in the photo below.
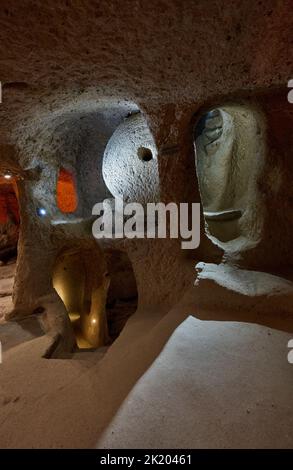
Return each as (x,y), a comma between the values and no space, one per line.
(7,176)
(41,212)
(94,321)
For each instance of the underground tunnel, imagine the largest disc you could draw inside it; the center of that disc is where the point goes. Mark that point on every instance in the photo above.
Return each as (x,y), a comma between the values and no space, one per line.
(138,342)
(99,295)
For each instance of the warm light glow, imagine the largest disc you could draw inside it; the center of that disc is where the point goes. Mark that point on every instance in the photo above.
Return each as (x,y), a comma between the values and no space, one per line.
(8,201)
(86,310)
(7,176)
(66,192)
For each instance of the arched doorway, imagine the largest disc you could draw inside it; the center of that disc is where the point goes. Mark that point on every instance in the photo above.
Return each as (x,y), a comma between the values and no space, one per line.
(229,160)
(99,292)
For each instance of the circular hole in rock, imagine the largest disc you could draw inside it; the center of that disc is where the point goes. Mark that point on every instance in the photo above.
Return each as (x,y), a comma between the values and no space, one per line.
(144,154)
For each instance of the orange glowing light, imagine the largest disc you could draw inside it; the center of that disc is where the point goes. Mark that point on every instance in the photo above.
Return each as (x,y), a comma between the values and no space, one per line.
(66,192)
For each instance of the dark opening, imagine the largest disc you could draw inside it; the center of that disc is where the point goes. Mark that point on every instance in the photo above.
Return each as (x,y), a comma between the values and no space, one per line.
(9,218)
(144,154)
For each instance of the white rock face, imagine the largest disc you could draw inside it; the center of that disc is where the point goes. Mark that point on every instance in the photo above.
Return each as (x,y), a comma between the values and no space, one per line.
(214,162)
(130,166)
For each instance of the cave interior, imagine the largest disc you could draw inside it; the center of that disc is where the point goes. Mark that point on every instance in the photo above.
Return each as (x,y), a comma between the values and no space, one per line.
(144,104)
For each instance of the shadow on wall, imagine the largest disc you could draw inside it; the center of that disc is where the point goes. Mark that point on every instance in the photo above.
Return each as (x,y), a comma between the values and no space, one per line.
(229,159)
(99,292)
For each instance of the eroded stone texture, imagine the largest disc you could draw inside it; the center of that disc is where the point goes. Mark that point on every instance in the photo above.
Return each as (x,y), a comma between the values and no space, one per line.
(130,163)
(73,76)
(230,155)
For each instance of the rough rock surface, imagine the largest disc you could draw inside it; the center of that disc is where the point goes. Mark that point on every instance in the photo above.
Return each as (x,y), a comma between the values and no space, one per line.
(73,75)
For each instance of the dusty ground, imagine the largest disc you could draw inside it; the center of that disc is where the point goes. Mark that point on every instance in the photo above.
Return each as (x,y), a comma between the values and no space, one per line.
(168,381)
(214,385)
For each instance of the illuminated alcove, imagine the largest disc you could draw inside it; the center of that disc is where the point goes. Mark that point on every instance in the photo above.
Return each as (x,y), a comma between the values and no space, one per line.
(9,217)
(229,160)
(99,292)
(67,200)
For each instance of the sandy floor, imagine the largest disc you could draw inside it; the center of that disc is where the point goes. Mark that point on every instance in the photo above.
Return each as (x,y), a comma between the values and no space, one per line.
(214,385)
(168,381)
